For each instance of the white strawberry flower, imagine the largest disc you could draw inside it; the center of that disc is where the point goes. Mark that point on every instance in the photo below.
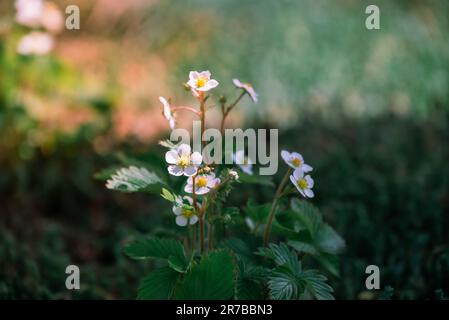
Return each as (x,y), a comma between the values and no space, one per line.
(248,88)
(184,211)
(203,183)
(245,163)
(182,161)
(295,160)
(35,43)
(167,112)
(304,184)
(29,12)
(201,81)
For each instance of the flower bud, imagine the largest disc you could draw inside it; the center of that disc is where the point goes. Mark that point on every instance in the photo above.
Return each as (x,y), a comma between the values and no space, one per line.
(233,174)
(222,100)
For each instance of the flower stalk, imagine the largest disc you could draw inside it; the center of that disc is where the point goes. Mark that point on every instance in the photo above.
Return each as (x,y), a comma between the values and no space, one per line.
(277,196)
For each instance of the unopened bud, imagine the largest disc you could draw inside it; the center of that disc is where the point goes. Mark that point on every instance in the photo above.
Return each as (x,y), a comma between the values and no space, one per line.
(222,100)
(234,175)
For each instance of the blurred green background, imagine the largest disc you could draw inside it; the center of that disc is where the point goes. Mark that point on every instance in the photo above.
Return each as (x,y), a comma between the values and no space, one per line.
(368,109)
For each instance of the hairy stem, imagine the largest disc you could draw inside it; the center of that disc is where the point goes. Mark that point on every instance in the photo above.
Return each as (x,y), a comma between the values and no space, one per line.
(203,116)
(225,111)
(277,196)
(185,108)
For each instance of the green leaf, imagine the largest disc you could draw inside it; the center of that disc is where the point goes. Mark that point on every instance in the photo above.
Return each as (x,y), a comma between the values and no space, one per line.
(281,255)
(133,179)
(309,216)
(315,284)
(158,285)
(302,247)
(211,279)
(255,179)
(167,195)
(259,213)
(283,284)
(168,144)
(167,249)
(329,262)
(327,240)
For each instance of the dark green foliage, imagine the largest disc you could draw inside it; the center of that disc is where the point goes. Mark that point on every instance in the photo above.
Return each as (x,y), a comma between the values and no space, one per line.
(212,278)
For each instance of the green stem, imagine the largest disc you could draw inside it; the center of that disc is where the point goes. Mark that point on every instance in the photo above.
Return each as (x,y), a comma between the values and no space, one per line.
(277,196)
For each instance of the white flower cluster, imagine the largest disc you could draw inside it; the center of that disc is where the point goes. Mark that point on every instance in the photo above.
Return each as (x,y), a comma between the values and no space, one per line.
(199,83)
(38,14)
(304,183)
(183,162)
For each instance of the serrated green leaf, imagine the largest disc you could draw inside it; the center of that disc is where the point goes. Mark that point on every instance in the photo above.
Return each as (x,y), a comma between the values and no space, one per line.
(283,284)
(170,250)
(158,285)
(281,255)
(315,284)
(302,247)
(134,179)
(211,279)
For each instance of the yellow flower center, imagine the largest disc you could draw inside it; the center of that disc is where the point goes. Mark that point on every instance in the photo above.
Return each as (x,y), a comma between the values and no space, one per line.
(296,162)
(201,182)
(302,183)
(201,82)
(187,213)
(245,161)
(183,161)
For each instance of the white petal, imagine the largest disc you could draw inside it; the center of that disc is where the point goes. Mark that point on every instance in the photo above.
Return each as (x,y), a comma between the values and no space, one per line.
(193,75)
(252,94)
(181,221)
(212,83)
(190,171)
(239,157)
(301,192)
(285,155)
(194,92)
(298,174)
(175,170)
(171,123)
(296,155)
(309,193)
(212,183)
(188,199)
(202,190)
(190,181)
(293,180)
(177,210)
(306,168)
(237,83)
(192,84)
(188,188)
(184,149)
(205,74)
(309,180)
(171,156)
(196,158)
(193,219)
(248,169)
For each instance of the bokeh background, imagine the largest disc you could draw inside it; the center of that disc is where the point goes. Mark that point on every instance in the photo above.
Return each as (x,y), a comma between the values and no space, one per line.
(368,109)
